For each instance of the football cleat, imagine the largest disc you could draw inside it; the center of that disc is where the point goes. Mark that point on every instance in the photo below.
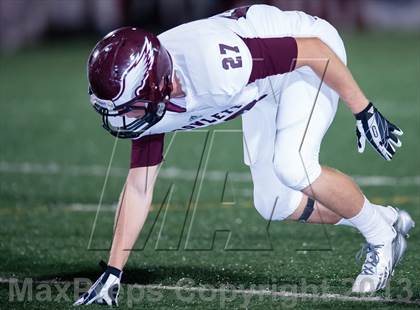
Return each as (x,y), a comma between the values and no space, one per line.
(379,264)
(404,223)
(103,292)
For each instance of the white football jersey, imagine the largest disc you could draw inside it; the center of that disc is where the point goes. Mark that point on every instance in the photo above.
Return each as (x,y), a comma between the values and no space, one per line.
(222,64)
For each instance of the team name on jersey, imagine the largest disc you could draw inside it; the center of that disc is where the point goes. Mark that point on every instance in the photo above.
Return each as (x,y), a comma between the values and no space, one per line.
(223,116)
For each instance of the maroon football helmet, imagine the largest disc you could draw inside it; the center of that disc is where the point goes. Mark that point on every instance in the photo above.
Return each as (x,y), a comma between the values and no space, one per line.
(129,70)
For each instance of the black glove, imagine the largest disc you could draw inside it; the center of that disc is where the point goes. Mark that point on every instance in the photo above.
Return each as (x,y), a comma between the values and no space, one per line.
(381,134)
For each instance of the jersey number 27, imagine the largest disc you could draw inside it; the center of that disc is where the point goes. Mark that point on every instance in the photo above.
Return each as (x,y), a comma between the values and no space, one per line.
(230,62)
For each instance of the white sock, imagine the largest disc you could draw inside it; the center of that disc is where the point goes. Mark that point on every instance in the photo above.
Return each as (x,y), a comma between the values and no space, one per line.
(388,213)
(344,222)
(372,225)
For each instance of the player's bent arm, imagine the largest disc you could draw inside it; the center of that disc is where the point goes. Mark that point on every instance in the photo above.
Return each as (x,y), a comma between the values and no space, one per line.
(371,125)
(317,55)
(134,206)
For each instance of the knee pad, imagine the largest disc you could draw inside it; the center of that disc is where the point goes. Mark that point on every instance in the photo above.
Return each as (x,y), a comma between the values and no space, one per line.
(276,208)
(272,199)
(296,174)
(264,208)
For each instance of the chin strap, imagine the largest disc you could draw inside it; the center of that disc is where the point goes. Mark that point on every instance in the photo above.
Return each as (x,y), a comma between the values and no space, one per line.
(307,212)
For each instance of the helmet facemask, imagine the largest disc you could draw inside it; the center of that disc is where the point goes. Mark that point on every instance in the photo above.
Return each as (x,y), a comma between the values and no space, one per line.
(116,121)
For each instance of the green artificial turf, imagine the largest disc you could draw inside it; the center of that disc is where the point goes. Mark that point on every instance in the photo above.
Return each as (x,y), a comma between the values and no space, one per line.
(47,209)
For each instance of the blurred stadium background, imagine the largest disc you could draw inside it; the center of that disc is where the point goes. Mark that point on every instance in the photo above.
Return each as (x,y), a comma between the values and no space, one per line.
(24,22)
(54,157)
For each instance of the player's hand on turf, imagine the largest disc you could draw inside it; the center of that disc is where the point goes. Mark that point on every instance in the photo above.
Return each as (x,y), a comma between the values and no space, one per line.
(371,125)
(104,291)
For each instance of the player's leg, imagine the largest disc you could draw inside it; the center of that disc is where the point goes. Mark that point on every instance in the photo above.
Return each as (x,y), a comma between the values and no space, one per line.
(296,164)
(323,215)
(272,198)
(314,213)
(298,139)
(275,201)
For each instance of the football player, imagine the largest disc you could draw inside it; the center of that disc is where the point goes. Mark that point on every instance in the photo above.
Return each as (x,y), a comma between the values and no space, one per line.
(284,72)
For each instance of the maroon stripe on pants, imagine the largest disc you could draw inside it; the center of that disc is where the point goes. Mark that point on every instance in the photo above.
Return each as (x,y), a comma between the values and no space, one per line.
(147,151)
(271,56)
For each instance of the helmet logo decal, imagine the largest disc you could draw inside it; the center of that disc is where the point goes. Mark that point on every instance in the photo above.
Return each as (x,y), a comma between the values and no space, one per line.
(137,74)
(145,63)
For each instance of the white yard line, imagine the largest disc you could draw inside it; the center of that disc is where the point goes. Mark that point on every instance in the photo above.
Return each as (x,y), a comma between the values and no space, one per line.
(285,294)
(57,169)
(174,173)
(252,292)
(80,207)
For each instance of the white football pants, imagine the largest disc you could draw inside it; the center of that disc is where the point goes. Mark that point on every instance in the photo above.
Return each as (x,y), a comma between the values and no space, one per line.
(283,133)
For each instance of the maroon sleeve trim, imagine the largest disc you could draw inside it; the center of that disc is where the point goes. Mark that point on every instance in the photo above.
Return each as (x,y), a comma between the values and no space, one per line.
(147,151)
(174,108)
(271,56)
